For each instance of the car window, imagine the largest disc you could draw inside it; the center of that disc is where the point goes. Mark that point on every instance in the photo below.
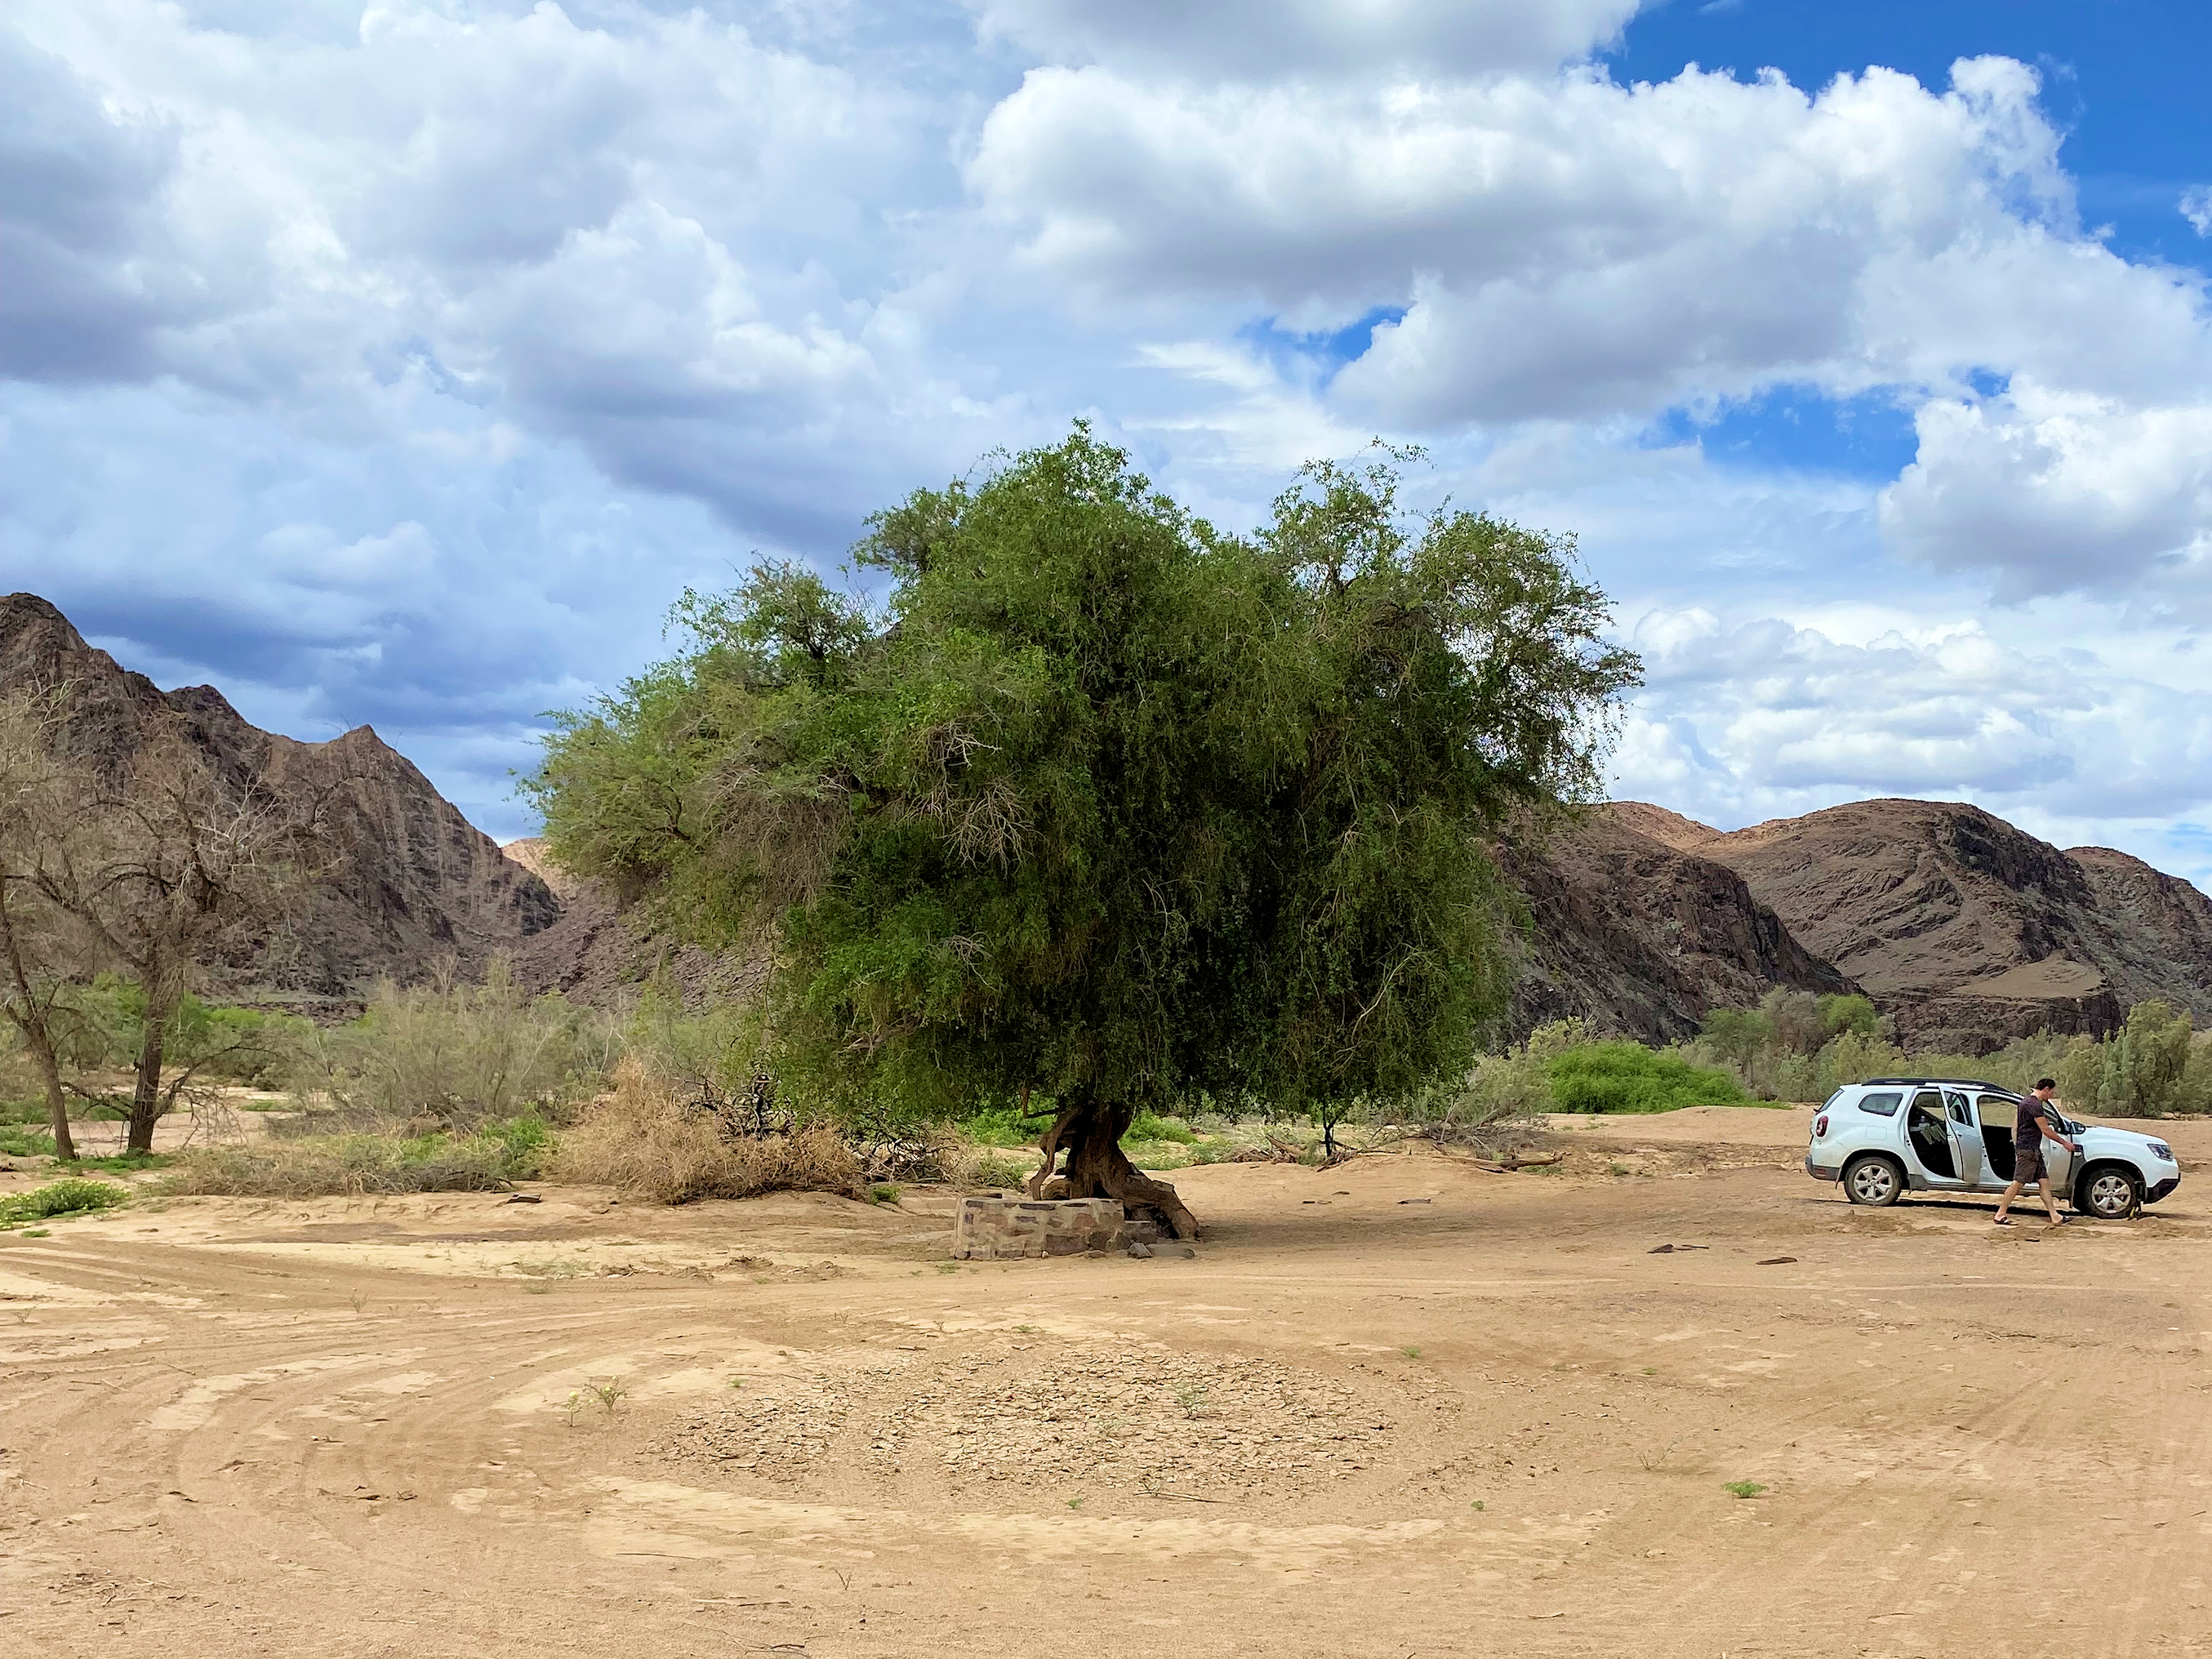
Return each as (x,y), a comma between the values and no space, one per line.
(1928,1101)
(1996,1111)
(1961,1111)
(1882,1105)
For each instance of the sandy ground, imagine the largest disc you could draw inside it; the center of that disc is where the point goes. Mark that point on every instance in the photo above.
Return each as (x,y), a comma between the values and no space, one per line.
(1399,1409)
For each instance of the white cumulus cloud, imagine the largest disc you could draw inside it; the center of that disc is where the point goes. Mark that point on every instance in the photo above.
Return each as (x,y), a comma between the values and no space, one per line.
(1309,39)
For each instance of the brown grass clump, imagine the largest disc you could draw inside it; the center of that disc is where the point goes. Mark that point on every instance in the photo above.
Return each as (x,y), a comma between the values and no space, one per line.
(329,1166)
(640,1139)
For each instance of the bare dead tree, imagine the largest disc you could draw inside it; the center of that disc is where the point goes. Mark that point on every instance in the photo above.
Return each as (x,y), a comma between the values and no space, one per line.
(165,868)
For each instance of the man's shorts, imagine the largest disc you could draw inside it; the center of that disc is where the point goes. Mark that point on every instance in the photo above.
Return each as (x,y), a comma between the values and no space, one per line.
(2027,1163)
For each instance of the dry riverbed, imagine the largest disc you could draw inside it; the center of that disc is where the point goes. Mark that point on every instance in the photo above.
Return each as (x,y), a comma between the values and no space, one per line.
(1401,1408)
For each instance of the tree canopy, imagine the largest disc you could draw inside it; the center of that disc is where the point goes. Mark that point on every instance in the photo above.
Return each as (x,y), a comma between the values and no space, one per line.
(1098,802)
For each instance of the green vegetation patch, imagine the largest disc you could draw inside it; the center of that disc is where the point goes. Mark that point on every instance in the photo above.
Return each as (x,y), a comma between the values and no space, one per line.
(26,1143)
(1005,1126)
(23,1109)
(1151,1127)
(125,1162)
(63,1198)
(1627,1077)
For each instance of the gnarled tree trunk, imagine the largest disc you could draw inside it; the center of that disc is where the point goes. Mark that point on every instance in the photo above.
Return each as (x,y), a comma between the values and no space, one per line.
(1091,1132)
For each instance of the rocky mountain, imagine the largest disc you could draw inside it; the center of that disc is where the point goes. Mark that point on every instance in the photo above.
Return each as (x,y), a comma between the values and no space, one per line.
(1964,928)
(414,881)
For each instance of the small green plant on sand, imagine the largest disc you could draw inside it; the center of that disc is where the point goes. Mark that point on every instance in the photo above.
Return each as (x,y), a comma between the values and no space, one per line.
(604,1398)
(1478,1503)
(883,1193)
(1744,1488)
(63,1198)
(1412,1351)
(1192,1399)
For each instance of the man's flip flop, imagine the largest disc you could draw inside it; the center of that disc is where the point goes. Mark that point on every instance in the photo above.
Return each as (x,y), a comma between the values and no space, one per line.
(2001,1220)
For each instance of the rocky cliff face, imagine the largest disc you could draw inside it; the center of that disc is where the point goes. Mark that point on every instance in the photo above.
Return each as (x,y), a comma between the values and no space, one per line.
(1638,936)
(599,953)
(2157,928)
(414,880)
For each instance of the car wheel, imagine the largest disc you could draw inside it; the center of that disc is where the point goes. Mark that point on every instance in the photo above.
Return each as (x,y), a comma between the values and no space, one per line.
(1874,1181)
(2109,1193)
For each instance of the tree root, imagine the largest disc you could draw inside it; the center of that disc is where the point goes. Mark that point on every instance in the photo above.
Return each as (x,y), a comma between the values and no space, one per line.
(1098,1168)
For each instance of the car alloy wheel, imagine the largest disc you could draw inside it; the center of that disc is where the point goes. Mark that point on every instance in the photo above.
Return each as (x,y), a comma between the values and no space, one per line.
(2109,1195)
(1873,1181)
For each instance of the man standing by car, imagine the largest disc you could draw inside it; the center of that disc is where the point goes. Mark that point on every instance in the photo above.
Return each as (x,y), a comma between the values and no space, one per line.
(2029,1128)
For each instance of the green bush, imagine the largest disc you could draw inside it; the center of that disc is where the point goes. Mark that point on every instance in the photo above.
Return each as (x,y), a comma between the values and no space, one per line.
(1499,1090)
(25,1110)
(63,1198)
(1005,1126)
(1627,1077)
(26,1143)
(1150,1126)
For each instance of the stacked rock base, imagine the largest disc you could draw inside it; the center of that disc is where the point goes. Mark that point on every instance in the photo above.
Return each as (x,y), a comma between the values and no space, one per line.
(1009,1228)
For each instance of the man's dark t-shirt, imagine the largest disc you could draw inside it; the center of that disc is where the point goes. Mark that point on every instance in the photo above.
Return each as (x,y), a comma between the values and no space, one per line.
(2025,1135)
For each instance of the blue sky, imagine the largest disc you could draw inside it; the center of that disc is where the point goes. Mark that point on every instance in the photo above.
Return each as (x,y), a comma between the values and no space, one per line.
(400,362)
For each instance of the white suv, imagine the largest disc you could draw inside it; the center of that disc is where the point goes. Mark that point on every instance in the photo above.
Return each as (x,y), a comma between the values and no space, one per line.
(1939,1134)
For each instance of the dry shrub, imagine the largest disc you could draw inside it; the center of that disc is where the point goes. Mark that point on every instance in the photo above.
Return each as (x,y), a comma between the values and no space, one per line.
(448,1055)
(643,1141)
(336,1165)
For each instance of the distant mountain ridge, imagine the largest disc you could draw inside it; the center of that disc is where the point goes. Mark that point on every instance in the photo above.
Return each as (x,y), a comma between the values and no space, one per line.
(1963,929)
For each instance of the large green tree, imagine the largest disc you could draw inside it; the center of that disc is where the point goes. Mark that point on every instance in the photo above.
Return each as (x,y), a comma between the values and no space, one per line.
(1101,807)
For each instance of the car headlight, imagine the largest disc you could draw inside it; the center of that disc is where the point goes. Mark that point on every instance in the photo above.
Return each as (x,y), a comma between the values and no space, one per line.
(2162,1151)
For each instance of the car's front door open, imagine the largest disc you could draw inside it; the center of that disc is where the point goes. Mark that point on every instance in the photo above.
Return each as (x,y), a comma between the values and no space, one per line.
(2058,1162)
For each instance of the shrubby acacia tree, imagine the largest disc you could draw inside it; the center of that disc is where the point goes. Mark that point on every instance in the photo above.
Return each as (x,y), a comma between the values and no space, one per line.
(1104,807)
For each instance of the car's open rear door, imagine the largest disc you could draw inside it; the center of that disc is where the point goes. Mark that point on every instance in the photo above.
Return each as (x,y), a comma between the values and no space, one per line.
(1966,1136)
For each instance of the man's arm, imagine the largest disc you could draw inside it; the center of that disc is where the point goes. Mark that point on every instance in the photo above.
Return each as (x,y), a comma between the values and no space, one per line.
(2051,1132)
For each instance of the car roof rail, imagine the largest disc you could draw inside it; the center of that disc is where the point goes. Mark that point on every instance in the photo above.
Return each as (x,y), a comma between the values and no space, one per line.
(1918,1082)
